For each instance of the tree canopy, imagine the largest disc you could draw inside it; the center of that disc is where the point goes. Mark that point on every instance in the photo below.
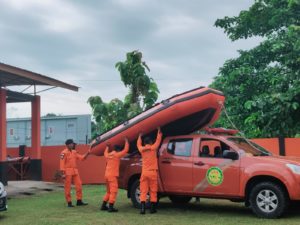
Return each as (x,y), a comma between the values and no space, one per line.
(262,85)
(143,93)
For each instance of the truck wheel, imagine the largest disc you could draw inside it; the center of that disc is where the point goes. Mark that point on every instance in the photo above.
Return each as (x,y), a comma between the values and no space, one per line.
(268,200)
(135,195)
(177,199)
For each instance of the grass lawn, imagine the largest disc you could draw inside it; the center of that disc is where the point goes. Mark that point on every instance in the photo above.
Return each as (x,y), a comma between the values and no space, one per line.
(49,208)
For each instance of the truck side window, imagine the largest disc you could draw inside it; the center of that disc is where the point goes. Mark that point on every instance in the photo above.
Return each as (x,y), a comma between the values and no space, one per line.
(212,148)
(180,147)
(205,152)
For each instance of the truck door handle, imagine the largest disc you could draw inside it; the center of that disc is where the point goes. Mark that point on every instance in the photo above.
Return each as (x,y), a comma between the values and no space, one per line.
(199,163)
(166,161)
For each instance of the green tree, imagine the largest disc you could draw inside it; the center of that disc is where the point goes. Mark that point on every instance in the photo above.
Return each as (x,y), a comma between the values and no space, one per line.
(95,132)
(262,85)
(50,115)
(143,93)
(107,115)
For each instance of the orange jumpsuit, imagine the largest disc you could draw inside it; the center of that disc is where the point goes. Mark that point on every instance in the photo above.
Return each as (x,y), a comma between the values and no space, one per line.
(112,173)
(148,178)
(68,165)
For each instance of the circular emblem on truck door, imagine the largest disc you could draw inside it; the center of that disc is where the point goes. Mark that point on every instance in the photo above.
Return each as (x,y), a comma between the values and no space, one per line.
(214,176)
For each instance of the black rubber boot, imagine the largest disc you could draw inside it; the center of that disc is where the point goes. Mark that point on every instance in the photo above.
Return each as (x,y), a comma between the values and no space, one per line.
(111,208)
(104,206)
(153,207)
(70,205)
(143,208)
(80,203)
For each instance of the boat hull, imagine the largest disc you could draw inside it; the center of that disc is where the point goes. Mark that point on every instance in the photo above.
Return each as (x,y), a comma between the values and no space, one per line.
(178,115)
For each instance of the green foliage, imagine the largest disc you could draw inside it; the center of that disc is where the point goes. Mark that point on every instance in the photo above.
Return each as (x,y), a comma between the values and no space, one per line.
(141,86)
(262,85)
(50,115)
(95,131)
(107,115)
(143,93)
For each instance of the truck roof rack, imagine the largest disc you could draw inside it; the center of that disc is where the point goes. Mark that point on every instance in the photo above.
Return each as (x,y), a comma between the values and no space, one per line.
(220,131)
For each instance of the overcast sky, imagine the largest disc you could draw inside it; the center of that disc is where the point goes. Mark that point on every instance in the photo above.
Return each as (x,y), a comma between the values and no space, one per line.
(79,42)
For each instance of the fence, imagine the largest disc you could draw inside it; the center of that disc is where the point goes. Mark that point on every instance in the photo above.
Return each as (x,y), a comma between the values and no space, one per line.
(92,169)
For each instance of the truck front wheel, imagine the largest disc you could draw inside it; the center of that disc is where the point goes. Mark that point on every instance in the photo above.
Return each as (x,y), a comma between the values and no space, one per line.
(135,195)
(268,200)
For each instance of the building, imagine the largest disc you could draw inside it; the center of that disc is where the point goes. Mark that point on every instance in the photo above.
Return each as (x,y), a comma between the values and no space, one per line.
(54,130)
(10,78)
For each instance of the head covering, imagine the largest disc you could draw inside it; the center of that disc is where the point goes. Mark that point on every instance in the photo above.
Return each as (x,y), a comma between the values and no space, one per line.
(70,141)
(117,148)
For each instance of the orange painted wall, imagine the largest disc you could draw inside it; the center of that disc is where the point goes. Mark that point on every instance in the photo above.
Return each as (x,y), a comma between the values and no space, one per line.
(271,144)
(92,169)
(292,146)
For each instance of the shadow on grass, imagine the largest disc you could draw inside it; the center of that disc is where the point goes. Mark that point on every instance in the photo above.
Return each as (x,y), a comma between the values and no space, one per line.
(293,210)
(203,207)
(224,208)
(2,216)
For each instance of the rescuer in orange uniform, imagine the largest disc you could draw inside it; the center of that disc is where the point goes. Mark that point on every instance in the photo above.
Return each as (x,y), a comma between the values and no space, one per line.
(68,167)
(112,173)
(148,178)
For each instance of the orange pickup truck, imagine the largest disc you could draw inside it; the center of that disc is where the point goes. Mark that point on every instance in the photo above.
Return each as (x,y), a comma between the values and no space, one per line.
(219,166)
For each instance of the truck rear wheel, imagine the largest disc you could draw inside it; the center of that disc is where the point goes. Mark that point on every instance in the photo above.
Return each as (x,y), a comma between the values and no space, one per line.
(177,199)
(135,195)
(268,200)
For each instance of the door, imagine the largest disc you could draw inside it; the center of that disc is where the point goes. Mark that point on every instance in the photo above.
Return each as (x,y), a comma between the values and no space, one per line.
(212,174)
(176,165)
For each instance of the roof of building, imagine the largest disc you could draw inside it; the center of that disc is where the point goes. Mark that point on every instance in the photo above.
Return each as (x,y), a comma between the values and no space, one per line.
(14,76)
(58,117)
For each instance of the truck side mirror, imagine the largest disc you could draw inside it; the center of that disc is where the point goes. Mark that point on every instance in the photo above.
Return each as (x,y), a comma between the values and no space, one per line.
(230,155)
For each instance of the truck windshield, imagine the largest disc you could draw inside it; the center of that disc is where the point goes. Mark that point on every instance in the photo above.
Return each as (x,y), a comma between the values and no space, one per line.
(249,146)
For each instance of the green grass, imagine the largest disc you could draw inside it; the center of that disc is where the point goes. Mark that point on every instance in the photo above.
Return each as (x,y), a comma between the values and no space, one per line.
(49,208)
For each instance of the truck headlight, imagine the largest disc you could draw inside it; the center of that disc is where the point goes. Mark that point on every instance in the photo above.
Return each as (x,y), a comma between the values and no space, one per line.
(294,168)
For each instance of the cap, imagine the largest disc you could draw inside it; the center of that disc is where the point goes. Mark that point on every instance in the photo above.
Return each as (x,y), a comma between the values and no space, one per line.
(70,141)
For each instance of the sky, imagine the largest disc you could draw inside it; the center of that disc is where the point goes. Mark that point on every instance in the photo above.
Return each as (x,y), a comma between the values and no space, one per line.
(79,42)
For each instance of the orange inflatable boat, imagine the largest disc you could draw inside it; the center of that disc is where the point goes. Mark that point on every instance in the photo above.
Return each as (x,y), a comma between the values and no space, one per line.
(181,114)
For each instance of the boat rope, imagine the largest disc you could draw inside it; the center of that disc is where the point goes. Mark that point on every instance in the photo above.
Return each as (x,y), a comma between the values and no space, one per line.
(233,125)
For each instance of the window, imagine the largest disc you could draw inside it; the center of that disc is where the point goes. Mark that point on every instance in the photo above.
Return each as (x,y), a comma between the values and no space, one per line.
(180,147)
(212,148)
(70,125)
(249,147)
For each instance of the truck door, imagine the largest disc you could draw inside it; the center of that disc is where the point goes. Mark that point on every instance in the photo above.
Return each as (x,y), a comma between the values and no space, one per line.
(212,174)
(176,166)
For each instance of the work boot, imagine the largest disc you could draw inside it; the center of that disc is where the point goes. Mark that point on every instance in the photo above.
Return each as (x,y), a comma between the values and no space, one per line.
(104,206)
(111,208)
(70,205)
(143,208)
(153,207)
(80,203)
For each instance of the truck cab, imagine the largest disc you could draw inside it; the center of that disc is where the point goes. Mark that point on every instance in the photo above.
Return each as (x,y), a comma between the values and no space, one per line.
(219,166)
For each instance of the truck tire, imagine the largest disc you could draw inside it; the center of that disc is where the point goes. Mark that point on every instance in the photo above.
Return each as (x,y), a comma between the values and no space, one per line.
(135,195)
(177,199)
(268,200)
